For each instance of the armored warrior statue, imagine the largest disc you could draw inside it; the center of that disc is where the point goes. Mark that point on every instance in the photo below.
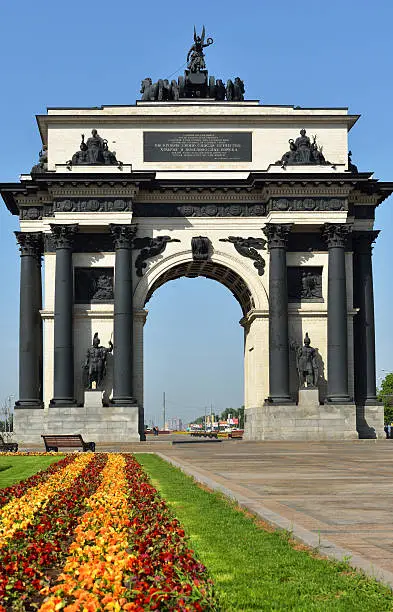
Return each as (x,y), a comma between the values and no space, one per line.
(95,364)
(307,365)
(195,56)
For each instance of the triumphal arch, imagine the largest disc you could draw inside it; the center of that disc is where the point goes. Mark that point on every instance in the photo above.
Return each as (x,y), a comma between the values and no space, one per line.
(193,180)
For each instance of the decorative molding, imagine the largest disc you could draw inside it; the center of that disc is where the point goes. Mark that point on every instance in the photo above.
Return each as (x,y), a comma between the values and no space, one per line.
(277,234)
(123,235)
(198,210)
(64,235)
(307,204)
(307,188)
(103,189)
(92,205)
(196,195)
(304,283)
(201,248)
(149,248)
(93,285)
(30,244)
(336,235)
(247,247)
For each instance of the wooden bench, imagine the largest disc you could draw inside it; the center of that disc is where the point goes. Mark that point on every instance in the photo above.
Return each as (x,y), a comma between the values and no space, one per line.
(54,442)
(8,447)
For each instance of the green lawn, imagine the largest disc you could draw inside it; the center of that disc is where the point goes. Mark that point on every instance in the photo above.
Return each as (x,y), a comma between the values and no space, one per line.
(254,569)
(16,468)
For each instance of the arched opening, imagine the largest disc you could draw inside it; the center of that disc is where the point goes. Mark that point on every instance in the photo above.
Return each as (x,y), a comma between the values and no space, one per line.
(193,343)
(214,271)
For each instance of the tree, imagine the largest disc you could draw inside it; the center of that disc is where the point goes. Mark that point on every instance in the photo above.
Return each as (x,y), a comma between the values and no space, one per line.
(385,395)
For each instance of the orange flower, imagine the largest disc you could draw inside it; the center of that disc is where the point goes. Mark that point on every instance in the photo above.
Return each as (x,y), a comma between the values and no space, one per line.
(93,572)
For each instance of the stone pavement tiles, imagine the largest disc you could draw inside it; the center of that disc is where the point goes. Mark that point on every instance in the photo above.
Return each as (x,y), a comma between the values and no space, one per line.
(337,496)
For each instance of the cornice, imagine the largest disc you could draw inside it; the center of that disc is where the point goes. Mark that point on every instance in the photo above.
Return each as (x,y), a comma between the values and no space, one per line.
(143,187)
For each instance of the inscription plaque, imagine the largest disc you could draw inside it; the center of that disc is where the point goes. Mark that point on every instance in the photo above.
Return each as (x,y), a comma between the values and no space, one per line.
(197,146)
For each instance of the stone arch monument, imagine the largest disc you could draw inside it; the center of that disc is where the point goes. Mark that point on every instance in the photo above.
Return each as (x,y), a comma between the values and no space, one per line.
(196,180)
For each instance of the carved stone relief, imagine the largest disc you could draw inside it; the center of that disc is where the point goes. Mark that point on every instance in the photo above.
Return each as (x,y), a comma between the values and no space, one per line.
(93,205)
(304,283)
(93,285)
(30,213)
(197,210)
(201,248)
(247,248)
(307,204)
(149,248)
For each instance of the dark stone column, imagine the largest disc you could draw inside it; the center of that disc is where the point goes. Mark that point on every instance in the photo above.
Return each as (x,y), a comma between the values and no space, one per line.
(364,327)
(123,319)
(63,384)
(30,325)
(336,236)
(277,235)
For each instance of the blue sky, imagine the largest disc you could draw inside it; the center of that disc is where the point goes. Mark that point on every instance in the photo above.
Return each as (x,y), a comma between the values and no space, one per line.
(91,53)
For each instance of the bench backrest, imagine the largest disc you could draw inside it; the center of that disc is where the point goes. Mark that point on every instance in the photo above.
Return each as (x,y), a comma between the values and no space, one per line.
(53,440)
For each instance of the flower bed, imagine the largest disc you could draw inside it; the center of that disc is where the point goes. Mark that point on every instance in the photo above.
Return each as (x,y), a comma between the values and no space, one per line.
(105,542)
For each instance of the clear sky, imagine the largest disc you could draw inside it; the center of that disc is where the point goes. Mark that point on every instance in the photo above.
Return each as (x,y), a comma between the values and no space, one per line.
(85,53)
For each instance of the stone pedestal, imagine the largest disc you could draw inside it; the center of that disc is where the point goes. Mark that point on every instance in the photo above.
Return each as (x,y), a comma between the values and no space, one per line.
(93,399)
(308,397)
(307,421)
(96,423)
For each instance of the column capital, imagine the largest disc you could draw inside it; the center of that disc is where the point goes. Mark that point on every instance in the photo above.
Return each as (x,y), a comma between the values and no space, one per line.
(64,235)
(336,234)
(363,241)
(30,243)
(122,235)
(277,234)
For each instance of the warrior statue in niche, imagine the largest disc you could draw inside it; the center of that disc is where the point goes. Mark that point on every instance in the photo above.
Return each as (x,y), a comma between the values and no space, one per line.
(95,363)
(307,367)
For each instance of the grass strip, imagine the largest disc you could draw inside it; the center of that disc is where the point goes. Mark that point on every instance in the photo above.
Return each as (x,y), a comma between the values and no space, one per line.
(17,468)
(256,569)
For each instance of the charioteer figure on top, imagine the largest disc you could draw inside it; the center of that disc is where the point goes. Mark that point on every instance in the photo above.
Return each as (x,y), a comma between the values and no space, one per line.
(195,56)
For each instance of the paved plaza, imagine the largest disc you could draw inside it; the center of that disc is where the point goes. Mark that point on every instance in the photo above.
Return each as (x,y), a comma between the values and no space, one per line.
(335,496)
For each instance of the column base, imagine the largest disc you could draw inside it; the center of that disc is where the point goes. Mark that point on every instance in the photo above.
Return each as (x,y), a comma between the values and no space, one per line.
(338,399)
(29,403)
(123,401)
(279,400)
(372,401)
(65,402)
